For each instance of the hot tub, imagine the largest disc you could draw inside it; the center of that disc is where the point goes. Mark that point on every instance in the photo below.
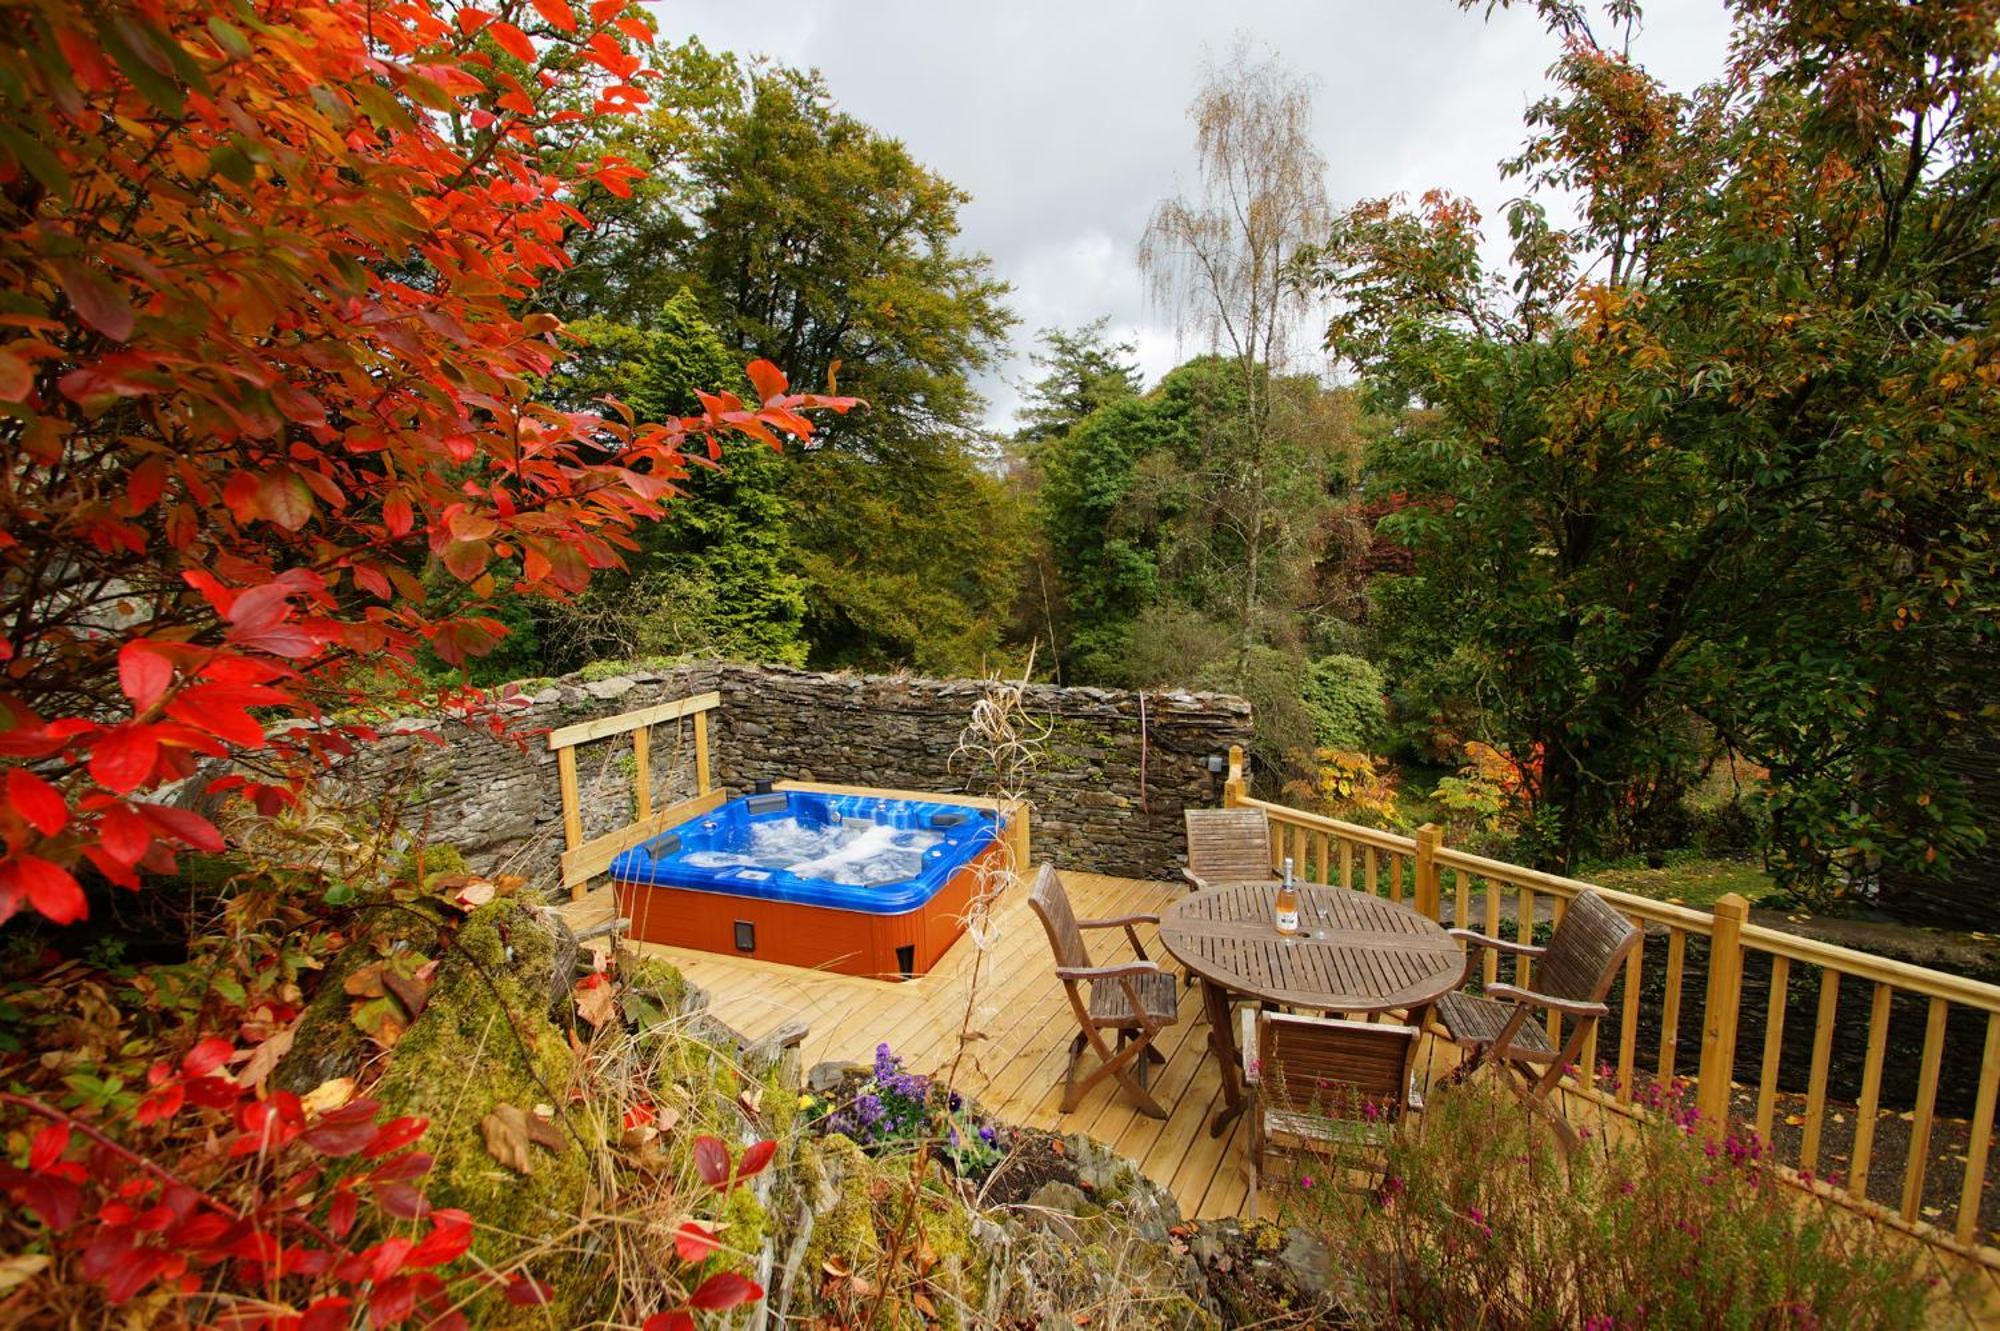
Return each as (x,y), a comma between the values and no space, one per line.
(859,884)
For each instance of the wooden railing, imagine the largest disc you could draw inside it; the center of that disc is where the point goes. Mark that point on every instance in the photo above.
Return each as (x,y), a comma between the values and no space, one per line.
(1472,891)
(584,860)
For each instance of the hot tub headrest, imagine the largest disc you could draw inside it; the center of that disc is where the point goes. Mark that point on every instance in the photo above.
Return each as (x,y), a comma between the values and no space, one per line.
(664,844)
(947,819)
(766,803)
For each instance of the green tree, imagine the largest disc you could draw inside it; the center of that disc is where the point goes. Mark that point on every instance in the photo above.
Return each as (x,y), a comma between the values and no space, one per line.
(1109,494)
(719,573)
(814,241)
(1080,372)
(1725,446)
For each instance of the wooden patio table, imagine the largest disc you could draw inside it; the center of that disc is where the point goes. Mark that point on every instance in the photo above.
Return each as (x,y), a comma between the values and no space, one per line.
(1353,953)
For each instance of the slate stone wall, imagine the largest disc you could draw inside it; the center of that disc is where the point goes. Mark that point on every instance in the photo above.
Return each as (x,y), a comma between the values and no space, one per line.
(1116,768)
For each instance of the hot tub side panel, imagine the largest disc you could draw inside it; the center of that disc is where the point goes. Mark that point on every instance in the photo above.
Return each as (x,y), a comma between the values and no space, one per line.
(822,937)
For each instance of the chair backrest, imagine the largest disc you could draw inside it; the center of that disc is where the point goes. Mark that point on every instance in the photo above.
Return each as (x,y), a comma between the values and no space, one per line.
(1051,905)
(1229,843)
(1586,950)
(1334,1068)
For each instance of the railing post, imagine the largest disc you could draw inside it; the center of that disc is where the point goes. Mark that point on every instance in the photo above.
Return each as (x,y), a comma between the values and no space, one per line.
(1429,837)
(1233,787)
(1721,1013)
(1015,825)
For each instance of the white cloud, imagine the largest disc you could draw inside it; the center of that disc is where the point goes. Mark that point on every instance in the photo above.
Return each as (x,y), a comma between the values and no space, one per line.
(1066,119)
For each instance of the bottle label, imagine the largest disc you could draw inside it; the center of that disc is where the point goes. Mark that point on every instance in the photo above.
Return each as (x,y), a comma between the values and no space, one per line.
(1288,920)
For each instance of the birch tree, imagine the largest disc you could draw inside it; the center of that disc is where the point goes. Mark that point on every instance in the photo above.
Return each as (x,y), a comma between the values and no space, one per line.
(1222,260)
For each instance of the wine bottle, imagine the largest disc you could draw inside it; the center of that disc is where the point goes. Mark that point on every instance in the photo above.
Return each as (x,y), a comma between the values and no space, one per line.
(1287,912)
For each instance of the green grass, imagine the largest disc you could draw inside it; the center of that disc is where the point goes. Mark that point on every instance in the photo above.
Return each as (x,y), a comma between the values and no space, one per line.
(1687,878)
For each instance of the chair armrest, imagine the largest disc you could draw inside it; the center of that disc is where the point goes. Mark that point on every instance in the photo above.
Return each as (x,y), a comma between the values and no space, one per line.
(1472,939)
(1199,882)
(1108,972)
(1128,923)
(1247,1045)
(1569,1007)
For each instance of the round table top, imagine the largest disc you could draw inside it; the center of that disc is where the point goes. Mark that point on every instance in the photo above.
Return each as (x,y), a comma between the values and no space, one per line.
(1353,952)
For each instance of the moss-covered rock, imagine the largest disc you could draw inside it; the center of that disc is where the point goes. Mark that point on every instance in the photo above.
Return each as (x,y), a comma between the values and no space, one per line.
(425,864)
(327,1043)
(654,993)
(483,1041)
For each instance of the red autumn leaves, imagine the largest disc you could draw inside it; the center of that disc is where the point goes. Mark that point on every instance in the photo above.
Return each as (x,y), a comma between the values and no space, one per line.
(232,462)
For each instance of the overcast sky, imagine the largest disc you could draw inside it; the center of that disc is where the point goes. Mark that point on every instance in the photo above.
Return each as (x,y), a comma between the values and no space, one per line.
(1066,120)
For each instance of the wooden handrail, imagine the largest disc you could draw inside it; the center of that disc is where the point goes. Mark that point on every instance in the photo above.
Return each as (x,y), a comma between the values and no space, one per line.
(604,727)
(1645,908)
(1357,832)
(1868,966)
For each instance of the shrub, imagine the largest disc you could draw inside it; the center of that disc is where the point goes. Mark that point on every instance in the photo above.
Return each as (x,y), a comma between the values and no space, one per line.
(1344,785)
(892,1109)
(1481,1220)
(1343,695)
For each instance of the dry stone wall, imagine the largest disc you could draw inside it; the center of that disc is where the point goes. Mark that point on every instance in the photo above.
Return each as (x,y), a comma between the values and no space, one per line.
(1114,775)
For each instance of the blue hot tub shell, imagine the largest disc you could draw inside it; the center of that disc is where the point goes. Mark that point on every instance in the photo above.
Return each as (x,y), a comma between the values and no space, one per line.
(674,857)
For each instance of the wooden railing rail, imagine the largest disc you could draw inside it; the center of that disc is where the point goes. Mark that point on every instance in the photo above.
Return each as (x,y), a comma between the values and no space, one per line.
(1736,1028)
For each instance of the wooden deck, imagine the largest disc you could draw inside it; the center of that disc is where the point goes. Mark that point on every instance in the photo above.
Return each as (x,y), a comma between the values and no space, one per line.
(1016,1070)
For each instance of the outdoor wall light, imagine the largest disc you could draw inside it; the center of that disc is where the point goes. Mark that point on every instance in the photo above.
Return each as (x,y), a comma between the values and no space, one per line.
(1216,762)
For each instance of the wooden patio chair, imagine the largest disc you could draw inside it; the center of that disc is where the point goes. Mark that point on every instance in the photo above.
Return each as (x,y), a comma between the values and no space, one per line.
(1136,998)
(1228,845)
(1323,1086)
(1571,977)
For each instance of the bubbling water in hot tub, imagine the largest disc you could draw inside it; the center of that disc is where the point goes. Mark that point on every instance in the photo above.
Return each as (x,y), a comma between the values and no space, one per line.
(853,850)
